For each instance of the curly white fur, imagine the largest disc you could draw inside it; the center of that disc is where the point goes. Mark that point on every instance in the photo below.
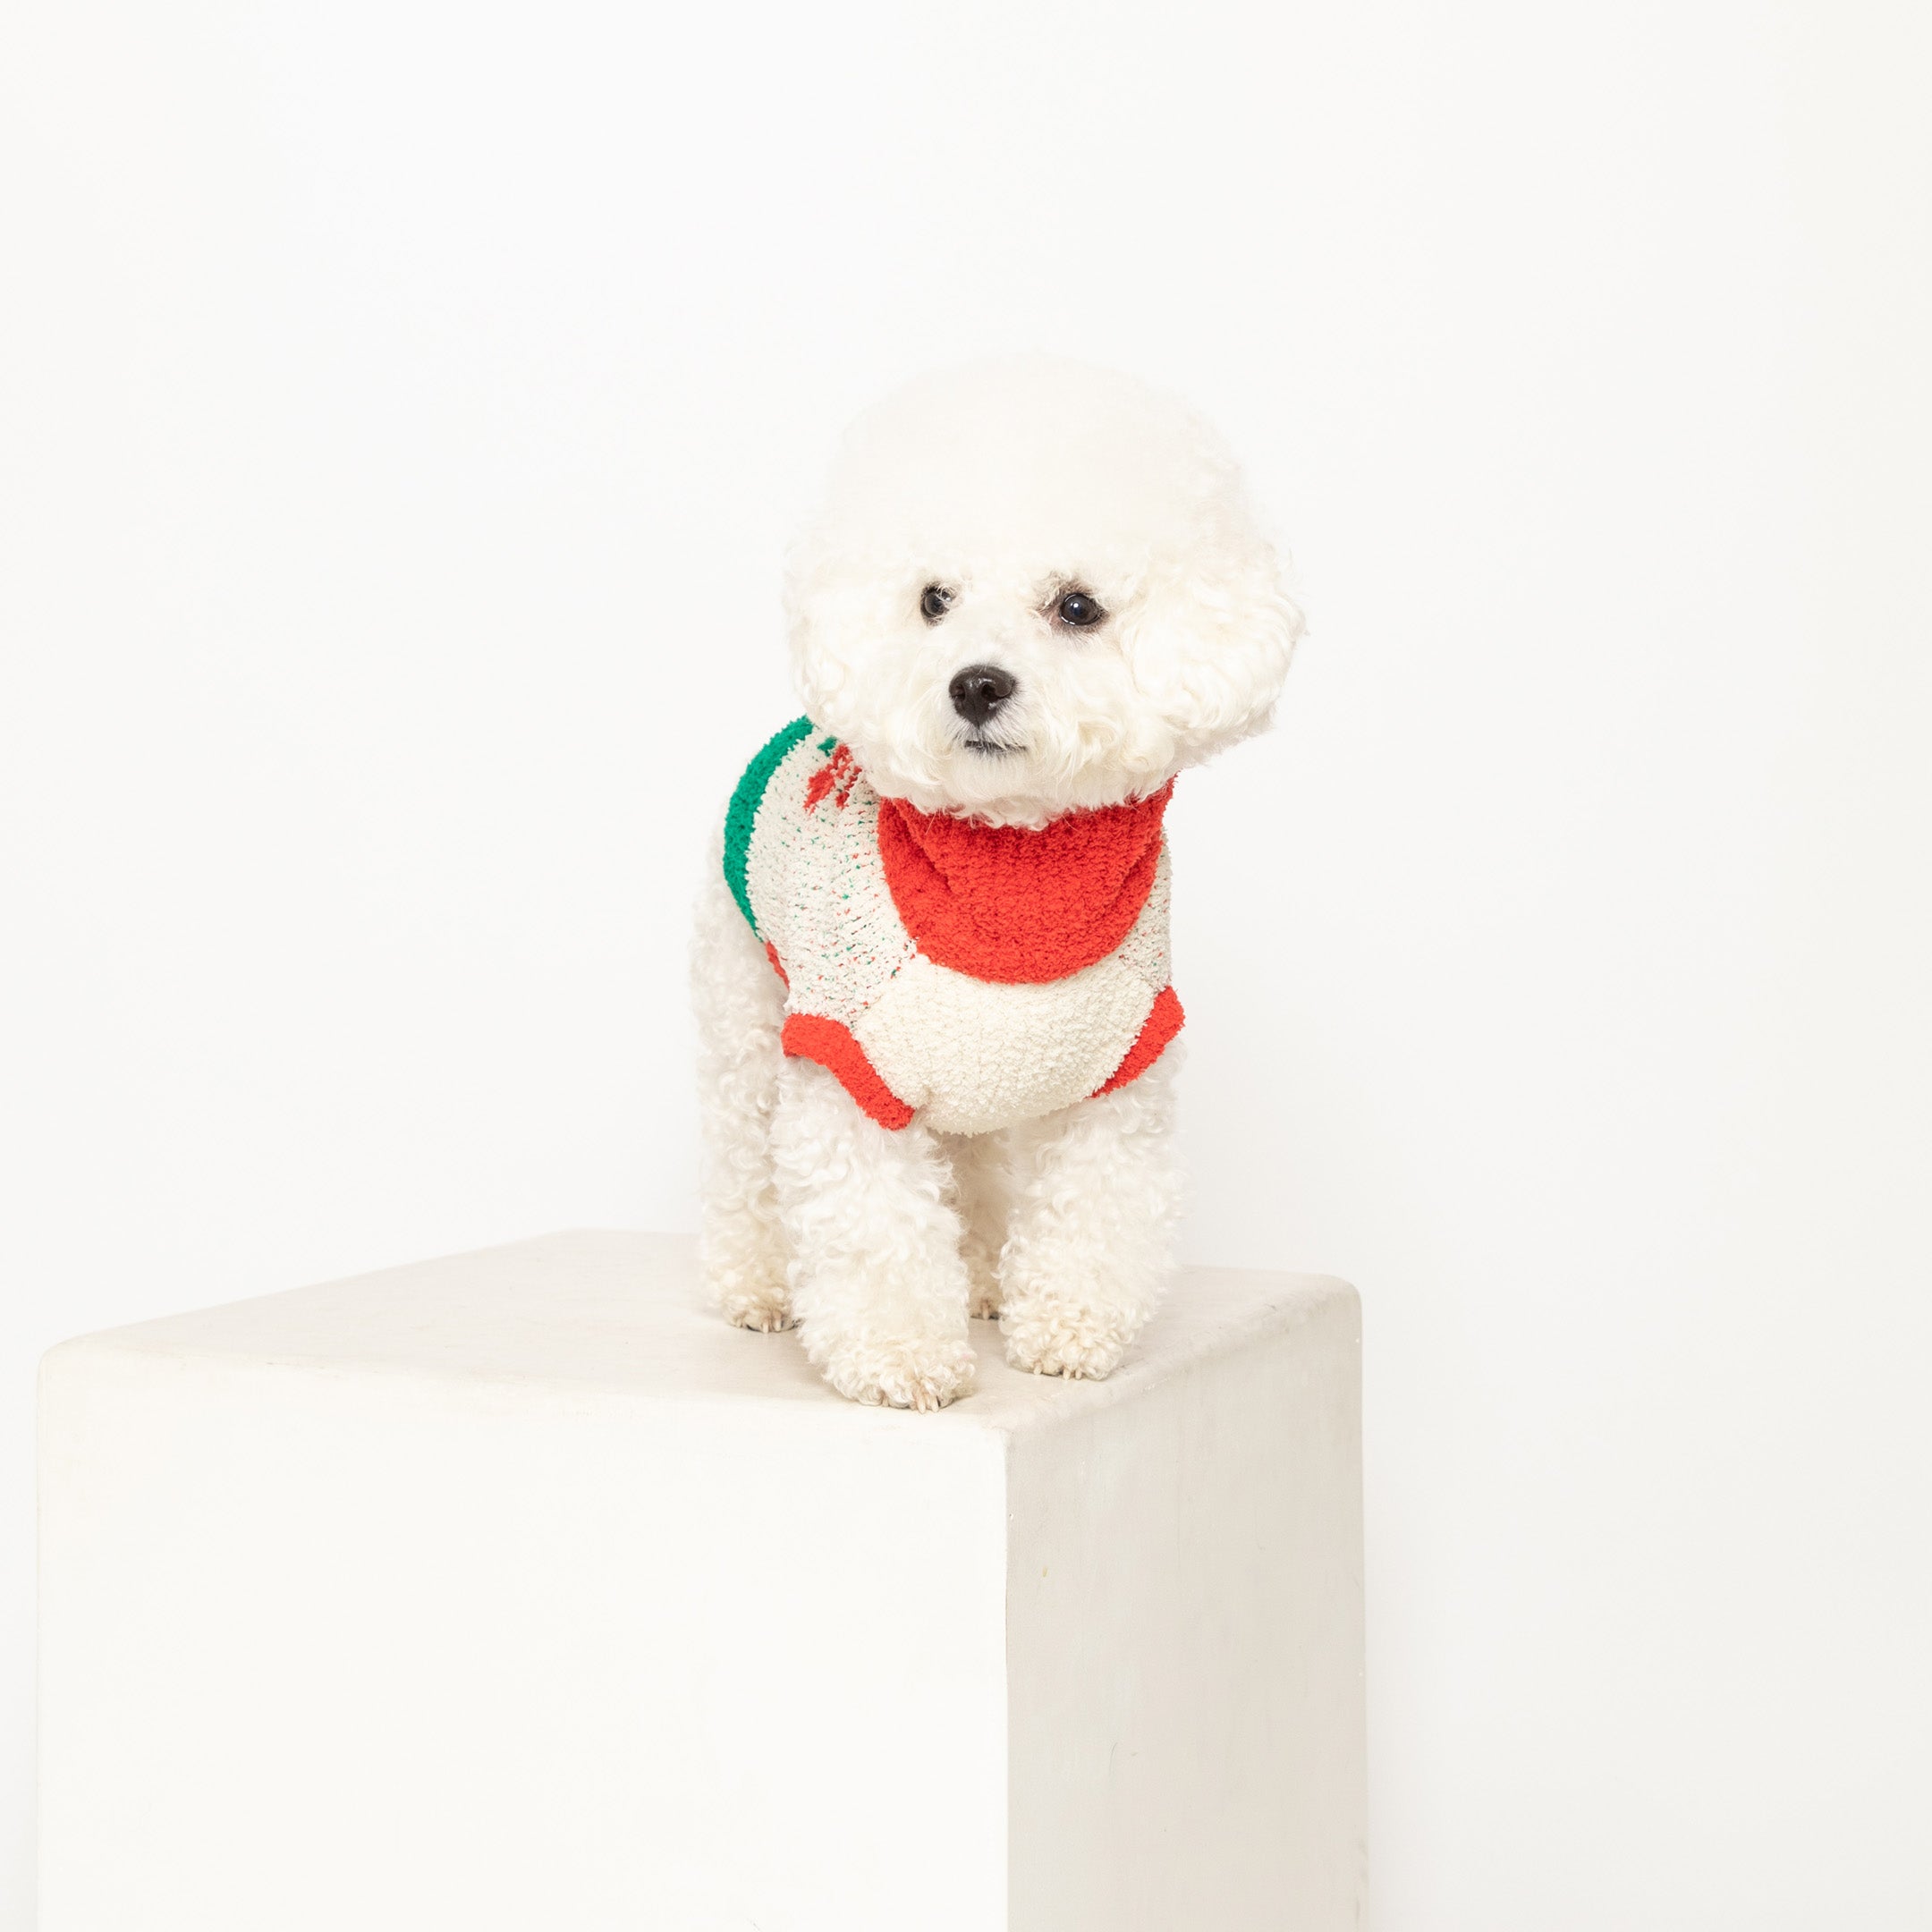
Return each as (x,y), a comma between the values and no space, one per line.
(1004,483)
(1007,484)
(740,1009)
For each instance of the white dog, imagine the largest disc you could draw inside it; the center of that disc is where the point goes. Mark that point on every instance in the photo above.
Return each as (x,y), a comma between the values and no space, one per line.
(931,961)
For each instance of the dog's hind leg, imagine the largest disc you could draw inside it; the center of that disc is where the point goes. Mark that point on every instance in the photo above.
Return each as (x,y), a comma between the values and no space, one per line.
(982,1177)
(878,1286)
(739,1007)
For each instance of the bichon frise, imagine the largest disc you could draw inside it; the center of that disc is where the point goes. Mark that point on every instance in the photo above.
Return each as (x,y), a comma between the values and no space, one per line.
(931,962)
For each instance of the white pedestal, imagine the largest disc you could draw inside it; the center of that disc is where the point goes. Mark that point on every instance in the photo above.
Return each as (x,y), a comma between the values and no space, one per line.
(517,1590)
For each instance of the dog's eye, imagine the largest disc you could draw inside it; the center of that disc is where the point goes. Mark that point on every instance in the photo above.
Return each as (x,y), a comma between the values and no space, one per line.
(934,602)
(1080,610)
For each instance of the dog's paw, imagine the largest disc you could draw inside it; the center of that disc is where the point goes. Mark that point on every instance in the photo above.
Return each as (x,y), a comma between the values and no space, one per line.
(762,1316)
(983,1303)
(760,1305)
(907,1375)
(1064,1339)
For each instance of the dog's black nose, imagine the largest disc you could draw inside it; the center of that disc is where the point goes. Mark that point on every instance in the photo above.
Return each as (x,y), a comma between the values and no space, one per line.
(979,690)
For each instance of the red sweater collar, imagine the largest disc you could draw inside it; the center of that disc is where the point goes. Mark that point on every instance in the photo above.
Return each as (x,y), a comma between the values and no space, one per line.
(1005,903)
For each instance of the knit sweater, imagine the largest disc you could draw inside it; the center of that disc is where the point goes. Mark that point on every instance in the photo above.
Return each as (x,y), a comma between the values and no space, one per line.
(973,975)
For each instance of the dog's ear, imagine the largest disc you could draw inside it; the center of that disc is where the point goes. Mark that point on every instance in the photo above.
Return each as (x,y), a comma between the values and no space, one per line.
(840,603)
(1209,648)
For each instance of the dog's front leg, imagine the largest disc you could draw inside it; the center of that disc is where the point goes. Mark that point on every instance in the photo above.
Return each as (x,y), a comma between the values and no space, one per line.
(1087,1256)
(878,1288)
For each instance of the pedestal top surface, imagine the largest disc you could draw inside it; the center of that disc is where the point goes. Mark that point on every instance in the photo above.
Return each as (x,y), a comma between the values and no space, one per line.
(625,1314)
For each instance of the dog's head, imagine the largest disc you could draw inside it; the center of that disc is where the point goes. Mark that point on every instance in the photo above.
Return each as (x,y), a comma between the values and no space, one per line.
(1034,586)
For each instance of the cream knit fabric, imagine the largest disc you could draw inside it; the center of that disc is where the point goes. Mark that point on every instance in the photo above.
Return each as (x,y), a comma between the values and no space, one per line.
(904,1033)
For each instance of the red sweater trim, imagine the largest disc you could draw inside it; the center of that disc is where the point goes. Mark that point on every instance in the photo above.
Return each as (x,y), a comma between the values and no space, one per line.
(1162,1023)
(1004,903)
(813,1037)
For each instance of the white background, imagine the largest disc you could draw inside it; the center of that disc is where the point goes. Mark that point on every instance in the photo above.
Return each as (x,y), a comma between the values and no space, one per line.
(404,408)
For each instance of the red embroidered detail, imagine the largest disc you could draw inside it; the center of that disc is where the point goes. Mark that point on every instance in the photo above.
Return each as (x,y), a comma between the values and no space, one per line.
(1162,1023)
(813,1037)
(777,965)
(1001,903)
(839,773)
